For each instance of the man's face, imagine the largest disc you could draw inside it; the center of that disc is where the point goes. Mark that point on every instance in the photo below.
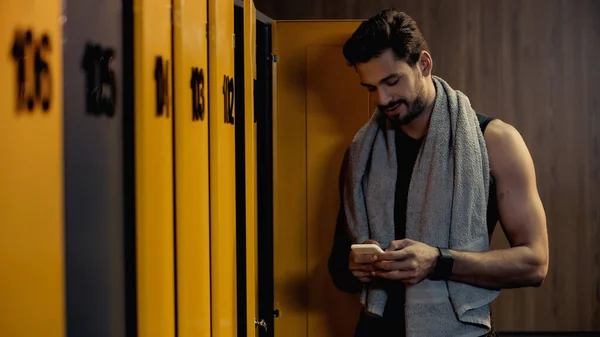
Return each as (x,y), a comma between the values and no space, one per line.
(398,87)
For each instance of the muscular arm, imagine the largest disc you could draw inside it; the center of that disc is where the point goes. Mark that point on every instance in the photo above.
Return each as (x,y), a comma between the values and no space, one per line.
(522,218)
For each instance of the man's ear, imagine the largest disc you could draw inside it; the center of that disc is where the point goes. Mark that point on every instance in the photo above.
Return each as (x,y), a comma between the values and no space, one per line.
(425,64)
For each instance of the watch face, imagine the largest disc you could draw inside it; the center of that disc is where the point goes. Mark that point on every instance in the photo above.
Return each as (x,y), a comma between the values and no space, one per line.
(445,254)
(444,266)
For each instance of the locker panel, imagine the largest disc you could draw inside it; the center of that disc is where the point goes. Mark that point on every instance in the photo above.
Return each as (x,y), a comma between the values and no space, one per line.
(250,165)
(332,95)
(191,168)
(222,168)
(31,170)
(93,145)
(307,52)
(154,168)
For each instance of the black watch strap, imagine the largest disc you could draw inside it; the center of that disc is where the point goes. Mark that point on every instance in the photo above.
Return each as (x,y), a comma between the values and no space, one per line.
(444,264)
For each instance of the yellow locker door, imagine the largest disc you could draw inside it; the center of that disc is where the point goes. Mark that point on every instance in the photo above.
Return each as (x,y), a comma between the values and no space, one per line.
(222,168)
(154,168)
(191,168)
(31,170)
(315,117)
(250,156)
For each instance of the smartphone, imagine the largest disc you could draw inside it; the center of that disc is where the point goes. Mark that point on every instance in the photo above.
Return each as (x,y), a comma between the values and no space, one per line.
(366,248)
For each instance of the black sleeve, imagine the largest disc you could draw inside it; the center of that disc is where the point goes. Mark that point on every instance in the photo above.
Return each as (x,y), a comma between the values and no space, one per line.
(338,259)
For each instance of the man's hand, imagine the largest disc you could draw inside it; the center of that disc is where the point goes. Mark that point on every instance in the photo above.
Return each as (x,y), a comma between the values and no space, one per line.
(361,265)
(406,260)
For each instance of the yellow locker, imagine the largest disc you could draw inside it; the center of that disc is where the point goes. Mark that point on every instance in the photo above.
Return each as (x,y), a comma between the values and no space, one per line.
(154,168)
(191,167)
(222,168)
(309,144)
(31,170)
(250,143)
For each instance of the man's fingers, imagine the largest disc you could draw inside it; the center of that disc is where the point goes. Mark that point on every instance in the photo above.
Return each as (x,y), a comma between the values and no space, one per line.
(394,255)
(406,265)
(399,244)
(362,267)
(399,275)
(363,258)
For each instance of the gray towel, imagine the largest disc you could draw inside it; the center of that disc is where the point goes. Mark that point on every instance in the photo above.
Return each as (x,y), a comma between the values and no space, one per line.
(447,204)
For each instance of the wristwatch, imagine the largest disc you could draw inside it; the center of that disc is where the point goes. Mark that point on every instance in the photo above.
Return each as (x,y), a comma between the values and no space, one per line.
(443,266)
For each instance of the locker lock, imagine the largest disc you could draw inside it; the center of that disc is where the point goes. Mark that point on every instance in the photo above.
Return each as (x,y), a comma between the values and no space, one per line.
(262,323)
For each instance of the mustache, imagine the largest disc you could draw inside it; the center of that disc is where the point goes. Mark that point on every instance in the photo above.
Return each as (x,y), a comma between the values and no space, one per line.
(392,104)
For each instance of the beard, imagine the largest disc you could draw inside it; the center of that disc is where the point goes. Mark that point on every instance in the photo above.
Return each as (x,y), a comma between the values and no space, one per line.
(415,108)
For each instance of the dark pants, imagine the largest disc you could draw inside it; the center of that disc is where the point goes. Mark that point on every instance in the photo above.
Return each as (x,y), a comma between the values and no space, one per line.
(369,326)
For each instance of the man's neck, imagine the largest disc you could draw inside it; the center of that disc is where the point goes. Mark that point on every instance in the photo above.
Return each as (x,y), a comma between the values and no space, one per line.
(418,128)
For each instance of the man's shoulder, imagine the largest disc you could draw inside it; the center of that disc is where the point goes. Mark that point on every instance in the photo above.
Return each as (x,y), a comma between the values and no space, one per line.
(499,133)
(506,147)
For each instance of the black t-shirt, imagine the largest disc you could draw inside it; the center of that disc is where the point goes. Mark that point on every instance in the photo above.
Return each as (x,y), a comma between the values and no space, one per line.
(407,151)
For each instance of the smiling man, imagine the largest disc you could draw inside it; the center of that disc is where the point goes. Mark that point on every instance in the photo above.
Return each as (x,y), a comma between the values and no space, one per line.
(427,179)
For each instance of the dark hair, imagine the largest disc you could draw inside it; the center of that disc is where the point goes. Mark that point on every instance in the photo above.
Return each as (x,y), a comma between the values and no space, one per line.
(388,29)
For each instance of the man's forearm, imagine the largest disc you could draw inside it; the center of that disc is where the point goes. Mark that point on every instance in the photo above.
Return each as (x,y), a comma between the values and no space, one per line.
(504,268)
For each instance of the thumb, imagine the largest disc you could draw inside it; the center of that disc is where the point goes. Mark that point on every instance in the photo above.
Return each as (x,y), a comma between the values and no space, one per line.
(372,242)
(398,244)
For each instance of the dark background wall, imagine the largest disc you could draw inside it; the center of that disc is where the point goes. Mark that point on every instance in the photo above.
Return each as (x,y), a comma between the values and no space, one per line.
(534,65)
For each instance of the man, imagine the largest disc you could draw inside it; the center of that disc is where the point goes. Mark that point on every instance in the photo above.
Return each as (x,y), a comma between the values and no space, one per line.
(393,62)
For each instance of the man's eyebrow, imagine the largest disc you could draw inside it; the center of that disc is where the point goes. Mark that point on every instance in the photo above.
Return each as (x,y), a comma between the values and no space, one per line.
(389,77)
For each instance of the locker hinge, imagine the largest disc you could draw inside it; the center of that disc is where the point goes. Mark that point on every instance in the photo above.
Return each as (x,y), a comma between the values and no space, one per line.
(207,30)
(273,58)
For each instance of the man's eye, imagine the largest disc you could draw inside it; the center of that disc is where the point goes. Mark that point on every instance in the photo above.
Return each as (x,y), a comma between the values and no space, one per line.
(393,83)
(371,89)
